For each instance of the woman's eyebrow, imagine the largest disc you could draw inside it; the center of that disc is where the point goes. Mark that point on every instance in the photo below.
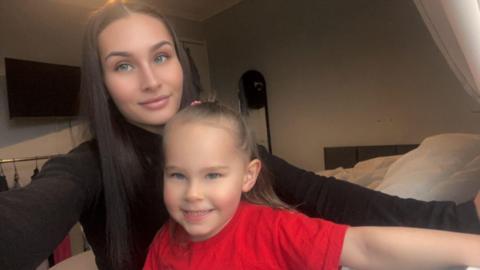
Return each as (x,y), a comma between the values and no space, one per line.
(161,44)
(117,53)
(127,54)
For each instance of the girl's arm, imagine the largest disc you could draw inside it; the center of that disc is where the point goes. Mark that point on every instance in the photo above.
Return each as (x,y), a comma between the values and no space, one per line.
(408,248)
(346,203)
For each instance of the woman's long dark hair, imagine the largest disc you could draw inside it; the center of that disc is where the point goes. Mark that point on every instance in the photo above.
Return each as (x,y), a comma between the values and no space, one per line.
(120,158)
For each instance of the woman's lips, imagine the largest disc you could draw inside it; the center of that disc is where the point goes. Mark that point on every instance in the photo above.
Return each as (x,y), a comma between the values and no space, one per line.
(155,103)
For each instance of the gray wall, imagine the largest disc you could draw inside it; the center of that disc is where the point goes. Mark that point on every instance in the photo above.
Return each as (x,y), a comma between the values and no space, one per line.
(339,72)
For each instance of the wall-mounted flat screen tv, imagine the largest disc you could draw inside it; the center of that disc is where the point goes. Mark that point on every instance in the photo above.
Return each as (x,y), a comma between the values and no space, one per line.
(37,89)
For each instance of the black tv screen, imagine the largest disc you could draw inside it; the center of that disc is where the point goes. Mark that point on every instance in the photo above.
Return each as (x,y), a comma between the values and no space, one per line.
(37,89)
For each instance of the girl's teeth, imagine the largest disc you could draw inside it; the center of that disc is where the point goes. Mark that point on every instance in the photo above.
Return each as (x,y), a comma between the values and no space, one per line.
(195,213)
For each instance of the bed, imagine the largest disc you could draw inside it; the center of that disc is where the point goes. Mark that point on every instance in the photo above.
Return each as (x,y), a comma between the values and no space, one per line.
(441,167)
(348,156)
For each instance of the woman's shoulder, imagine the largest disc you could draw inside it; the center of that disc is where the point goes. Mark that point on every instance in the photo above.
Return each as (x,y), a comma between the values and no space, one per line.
(86,151)
(88,148)
(80,165)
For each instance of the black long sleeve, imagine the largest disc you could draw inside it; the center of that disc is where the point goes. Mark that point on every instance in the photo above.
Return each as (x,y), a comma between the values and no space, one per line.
(347,203)
(36,218)
(68,189)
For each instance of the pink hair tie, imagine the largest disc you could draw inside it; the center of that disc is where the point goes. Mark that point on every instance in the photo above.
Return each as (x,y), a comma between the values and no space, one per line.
(195,102)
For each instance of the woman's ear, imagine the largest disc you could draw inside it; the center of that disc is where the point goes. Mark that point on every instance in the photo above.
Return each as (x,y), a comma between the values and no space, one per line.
(253,169)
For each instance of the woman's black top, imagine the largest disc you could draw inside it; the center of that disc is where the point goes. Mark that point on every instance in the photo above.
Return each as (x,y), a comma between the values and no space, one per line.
(34,219)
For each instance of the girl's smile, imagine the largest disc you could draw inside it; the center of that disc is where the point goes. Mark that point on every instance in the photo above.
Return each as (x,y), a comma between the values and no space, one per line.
(196,216)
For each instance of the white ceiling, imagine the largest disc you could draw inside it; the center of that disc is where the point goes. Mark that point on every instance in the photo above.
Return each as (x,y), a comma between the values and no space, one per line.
(196,10)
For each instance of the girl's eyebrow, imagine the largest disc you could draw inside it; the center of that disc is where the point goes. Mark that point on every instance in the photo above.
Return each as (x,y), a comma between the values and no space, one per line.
(127,54)
(168,168)
(210,168)
(216,168)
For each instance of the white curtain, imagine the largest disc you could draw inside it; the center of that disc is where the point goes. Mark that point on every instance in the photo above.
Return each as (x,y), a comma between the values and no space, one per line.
(455,27)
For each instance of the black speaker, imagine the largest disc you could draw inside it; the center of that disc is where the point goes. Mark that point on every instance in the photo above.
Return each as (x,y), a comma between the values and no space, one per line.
(254,89)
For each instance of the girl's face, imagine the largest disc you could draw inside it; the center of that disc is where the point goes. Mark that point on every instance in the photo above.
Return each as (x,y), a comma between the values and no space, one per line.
(141,70)
(205,175)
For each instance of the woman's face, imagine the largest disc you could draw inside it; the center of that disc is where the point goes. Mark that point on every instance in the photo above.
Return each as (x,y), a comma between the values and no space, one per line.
(142,72)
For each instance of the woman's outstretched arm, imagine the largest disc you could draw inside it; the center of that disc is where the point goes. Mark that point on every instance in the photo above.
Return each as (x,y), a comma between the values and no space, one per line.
(347,203)
(36,218)
(408,248)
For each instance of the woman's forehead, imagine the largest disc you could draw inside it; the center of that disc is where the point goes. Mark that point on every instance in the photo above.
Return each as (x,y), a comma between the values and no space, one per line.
(134,30)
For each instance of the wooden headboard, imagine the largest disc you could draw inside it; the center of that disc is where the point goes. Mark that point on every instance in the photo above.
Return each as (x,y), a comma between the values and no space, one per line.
(348,156)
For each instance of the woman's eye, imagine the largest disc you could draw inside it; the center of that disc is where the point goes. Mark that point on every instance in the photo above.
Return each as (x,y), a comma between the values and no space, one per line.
(160,59)
(123,67)
(213,175)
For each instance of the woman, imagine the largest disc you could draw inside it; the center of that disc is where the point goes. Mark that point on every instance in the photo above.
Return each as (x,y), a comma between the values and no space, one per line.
(135,76)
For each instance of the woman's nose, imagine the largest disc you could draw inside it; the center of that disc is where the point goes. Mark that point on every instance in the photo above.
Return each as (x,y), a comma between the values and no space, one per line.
(149,79)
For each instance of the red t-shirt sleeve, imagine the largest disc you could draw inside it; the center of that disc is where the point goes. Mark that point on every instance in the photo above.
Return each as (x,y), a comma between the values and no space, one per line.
(308,243)
(151,262)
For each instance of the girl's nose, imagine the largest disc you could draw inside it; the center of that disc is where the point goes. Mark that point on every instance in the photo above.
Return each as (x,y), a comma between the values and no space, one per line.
(149,79)
(193,192)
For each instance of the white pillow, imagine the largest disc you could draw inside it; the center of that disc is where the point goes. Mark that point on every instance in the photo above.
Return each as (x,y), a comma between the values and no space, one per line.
(368,172)
(443,167)
(364,173)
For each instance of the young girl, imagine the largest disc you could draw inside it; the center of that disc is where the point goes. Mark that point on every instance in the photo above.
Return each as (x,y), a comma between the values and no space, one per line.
(225,216)
(135,77)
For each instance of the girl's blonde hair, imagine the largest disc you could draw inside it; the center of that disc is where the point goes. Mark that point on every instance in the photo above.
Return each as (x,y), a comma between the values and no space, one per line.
(262,193)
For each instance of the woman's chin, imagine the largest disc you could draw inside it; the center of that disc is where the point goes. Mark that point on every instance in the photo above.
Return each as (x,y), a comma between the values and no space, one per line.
(153,121)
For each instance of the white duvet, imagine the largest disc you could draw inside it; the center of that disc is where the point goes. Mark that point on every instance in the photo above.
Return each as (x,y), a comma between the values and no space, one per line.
(443,167)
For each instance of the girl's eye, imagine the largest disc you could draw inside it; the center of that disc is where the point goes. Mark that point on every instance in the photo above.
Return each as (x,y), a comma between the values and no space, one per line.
(160,59)
(177,176)
(213,176)
(123,67)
